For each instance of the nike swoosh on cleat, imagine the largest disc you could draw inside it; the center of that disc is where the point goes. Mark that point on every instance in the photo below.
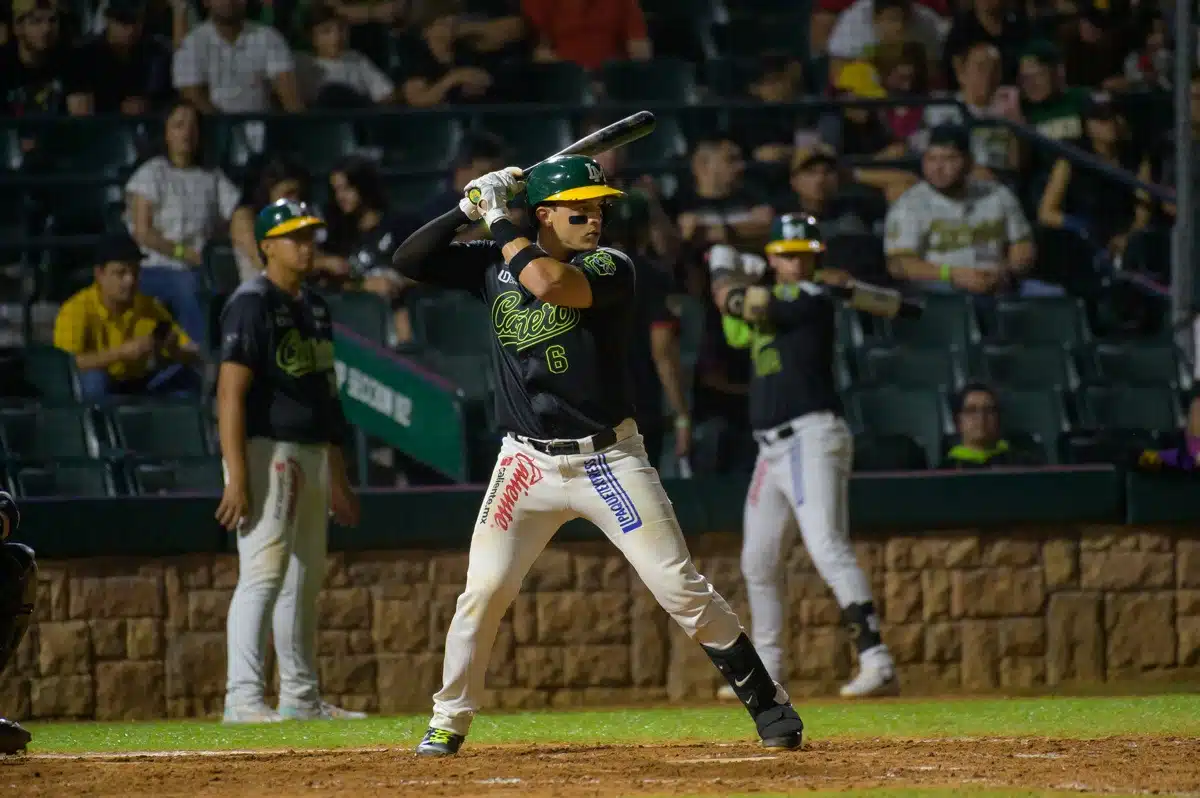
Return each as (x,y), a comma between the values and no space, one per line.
(742,682)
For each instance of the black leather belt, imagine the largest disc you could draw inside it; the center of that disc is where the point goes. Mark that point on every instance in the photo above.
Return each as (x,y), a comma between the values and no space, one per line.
(601,440)
(775,434)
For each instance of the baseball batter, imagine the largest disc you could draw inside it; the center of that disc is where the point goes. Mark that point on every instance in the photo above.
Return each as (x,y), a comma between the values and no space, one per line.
(281,428)
(805,447)
(562,310)
(18,595)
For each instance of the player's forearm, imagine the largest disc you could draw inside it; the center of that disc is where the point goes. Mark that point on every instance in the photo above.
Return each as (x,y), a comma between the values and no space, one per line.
(414,258)
(231,428)
(90,361)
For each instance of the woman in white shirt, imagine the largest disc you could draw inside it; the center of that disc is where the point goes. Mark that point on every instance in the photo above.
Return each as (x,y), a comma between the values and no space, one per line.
(174,206)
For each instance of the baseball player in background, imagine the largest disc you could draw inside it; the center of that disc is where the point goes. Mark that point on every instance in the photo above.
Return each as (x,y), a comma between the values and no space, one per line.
(805,447)
(282,428)
(562,309)
(18,594)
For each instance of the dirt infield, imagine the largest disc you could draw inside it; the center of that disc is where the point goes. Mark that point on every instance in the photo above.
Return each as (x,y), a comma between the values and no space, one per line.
(1133,764)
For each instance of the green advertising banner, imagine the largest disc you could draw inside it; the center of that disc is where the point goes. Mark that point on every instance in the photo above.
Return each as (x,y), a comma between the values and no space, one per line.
(396,400)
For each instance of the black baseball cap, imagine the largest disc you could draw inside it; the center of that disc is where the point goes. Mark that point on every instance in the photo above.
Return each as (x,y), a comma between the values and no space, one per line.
(119,247)
(951,135)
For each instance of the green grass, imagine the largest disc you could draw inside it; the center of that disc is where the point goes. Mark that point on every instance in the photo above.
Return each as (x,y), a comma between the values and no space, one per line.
(1041,717)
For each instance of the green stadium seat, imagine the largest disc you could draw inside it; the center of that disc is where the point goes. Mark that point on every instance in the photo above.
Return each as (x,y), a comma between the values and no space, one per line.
(1119,406)
(44,433)
(903,367)
(82,479)
(561,83)
(1139,362)
(728,76)
(529,142)
(316,143)
(874,452)
(1049,320)
(667,144)
(921,415)
(664,79)
(160,429)
(420,143)
(753,34)
(1015,366)
(92,147)
(1038,413)
(413,193)
(11,155)
(86,209)
(193,475)
(948,320)
(366,314)
(453,324)
(1115,446)
(52,373)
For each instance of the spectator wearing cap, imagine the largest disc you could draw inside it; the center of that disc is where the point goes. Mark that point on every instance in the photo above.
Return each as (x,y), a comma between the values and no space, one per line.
(816,181)
(334,76)
(1003,24)
(588,33)
(127,71)
(954,232)
(862,27)
(1085,201)
(993,148)
(174,206)
(125,343)
(980,442)
(37,74)
(228,64)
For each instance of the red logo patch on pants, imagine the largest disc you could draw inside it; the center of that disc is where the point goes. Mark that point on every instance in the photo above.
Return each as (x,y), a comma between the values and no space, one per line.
(515,476)
(760,473)
(291,482)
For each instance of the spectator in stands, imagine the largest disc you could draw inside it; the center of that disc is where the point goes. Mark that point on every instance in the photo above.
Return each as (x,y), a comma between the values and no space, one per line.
(478,154)
(334,76)
(438,72)
(993,148)
(1150,65)
(816,181)
(382,13)
(1000,23)
(1084,201)
(981,445)
(278,179)
(862,27)
(174,206)
(719,207)
(863,131)
(769,133)
(37,74)
(587,32)
(127,71)
(952,231)
(229,64)
(364,231)
(125,343)
(1047,104)
(1095,44)
(168,20)
(903,72)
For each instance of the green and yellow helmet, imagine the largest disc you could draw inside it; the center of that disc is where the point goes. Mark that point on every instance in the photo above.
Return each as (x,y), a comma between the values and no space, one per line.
(565,178)
(285,216)
(793,233)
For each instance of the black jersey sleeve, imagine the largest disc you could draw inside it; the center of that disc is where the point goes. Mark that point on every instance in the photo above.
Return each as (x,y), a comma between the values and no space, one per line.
(243,330)
(431,256)
(610,273)
(796,305)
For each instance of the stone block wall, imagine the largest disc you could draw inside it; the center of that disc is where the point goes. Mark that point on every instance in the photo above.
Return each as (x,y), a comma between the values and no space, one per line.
(963,612)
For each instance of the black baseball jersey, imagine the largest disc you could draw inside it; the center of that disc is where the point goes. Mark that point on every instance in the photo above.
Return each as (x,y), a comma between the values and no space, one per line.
(791,355)
(563,372)
(288,343)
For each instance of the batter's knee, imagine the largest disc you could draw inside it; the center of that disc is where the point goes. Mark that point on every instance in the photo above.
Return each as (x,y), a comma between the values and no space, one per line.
(760,566)
(18,596)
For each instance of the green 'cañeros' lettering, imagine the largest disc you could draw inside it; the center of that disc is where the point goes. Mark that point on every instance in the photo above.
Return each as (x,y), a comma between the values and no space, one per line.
(525,327)
(298,356)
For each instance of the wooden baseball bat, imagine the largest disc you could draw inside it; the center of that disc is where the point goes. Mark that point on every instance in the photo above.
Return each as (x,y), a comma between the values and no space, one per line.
(618,134)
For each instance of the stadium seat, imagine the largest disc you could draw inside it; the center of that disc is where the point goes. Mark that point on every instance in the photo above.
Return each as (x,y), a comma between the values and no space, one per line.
(753,34)
(561,83)
(667,145)
(1116,446)
(1057,320)
(1139,362)
(52,373)
(95,147)
(874,452)
(903,367)
(948,320)
(315,142)
(44,433)
(419,143)
(861,254)
(850,332)
(529,142)
(74,479)
(453,324)
(1145,407)
(1015,366)
(12,156)
(194,475)
(160,429)
(1039,413)
(369,315)
(664,79)
(413,193)
(92,208)
(921,415)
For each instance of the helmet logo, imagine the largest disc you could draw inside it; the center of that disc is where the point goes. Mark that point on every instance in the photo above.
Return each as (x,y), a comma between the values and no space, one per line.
(595,174)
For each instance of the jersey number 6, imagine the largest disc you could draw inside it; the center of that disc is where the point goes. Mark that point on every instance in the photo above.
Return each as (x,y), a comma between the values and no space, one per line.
(556,359)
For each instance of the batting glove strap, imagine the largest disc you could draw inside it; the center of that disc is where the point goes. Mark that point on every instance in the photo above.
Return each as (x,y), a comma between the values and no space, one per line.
(470,209)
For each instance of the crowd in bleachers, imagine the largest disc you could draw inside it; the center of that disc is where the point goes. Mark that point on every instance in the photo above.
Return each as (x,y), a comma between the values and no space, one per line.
(165,172)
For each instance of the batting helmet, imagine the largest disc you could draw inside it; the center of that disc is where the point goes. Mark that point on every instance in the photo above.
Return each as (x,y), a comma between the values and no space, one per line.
(285,216)
(567,177)
(794,232)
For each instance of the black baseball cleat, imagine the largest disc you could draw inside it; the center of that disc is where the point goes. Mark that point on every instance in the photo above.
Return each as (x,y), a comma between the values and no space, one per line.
(767,702)
(780,727)
(439,742)
(13,738)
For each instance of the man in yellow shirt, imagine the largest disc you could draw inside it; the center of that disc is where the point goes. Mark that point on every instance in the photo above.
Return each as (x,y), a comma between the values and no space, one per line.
(124,342)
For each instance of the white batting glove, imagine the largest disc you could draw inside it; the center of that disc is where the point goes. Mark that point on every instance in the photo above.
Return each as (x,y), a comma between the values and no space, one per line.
(753,265)
(470,209)
(509,178)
